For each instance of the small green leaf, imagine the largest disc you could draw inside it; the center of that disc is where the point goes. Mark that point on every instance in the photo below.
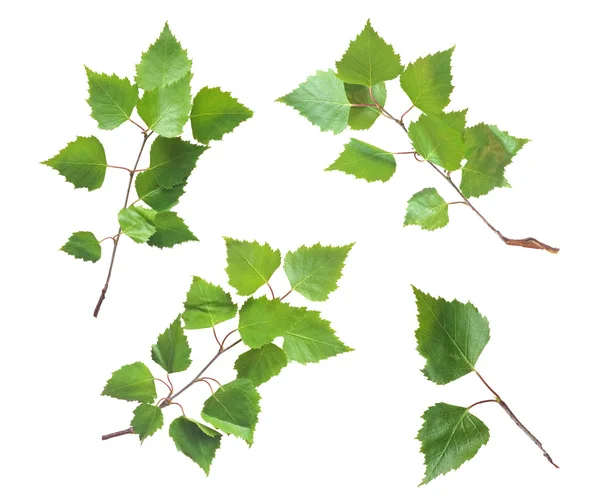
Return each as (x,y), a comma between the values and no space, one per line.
(365,161)
(437,141)
(234,409)
(172,160)
(250,264)
(450,435)
(262,320)
(314,272)
(207,305)
(368,60)
(82,162)
(111,99)
(451,336)
(195,440)
(428,82)
(322,100)
(260,364)
(427,209)
(489,151)
(456,119)
(312,339)
(134,383)
(155,196)
(364,117)
(83,245)
(167,109)
(215,113)
(147,420)
(170,230)
(172,351)
(164,63)
(137,223)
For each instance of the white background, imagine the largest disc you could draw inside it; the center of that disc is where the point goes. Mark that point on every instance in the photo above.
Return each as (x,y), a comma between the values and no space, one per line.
(342,430)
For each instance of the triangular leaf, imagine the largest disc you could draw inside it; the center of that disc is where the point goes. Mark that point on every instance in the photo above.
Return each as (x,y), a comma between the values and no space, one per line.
(262,320)
(365,161)
(364,117)
(427,209)
(137,223)
(155,196)
(437,141)
(82,162)
(260,364)
(428,82)
(112,99)
(215,113)
(234,409)
(322,100)
(147,420)
(314,272)
(450,435)
(451,336)
(163,63)
(170,230)
(250,264)
(83,245)
(489,151)
(207,305)
(368,60)
(134,383)
(172,351)
(167,109)
(172,160)
(312,339)
(195,440)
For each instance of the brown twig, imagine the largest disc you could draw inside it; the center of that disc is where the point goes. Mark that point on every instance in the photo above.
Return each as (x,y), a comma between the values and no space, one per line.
(284,296)
(118,236)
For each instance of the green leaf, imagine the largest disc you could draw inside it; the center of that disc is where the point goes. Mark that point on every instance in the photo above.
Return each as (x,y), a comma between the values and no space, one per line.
(456,119)
(368,60)
(311,340)
(163,63)
(172,351)
(170,230)
(111,99)
(313,272)
(262,320)
(134,383)
(195,440)
(172,160)
(82,162)
(137,223)
(322,100)
(489,151)
(451,336)
(365,161)
(428,82)
(364,117)
(207,305)
(260,364)
(437,141)
(167,109)
(155,196)
(147,420)
(83,245)
(234,409)
(250,265)
(215,113)
(450,435)
(427,209)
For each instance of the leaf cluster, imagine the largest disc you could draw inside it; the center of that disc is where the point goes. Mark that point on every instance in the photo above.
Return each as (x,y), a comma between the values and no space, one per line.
(233,408)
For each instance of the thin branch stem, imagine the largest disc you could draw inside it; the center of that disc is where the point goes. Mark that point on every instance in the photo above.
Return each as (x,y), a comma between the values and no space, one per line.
(402,116)
(169,401)
(524,242)
(202,379)
(225,338)
(271,290)
(133,122)
(160,380)
(456,202)
(212,379)
(403,153)
(284,296)
(482,401)
(514,418)
(117,238)
(118,167)
(216,338)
